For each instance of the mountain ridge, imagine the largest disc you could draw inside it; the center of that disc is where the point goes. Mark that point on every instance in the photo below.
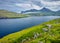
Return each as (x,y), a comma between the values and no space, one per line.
(42,12)
(35,10)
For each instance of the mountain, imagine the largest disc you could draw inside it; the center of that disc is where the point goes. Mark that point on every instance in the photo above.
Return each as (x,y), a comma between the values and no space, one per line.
(58,12)
(42,12)
(34,10)
(9,14)
(45,10)
(48,32)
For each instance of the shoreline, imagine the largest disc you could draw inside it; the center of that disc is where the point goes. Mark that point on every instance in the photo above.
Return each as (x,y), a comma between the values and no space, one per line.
(11,17)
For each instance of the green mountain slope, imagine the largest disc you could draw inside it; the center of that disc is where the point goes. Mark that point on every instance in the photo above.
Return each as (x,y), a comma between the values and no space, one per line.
(48,32)
(8,14)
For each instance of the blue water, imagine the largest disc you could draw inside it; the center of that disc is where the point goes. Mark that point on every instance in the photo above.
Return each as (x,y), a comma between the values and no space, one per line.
(8,26)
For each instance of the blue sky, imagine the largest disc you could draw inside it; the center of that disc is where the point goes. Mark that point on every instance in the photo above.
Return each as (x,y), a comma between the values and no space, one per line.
(21,5)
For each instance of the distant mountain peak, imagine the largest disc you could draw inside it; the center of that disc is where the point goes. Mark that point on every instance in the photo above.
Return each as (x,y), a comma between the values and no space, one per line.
(45,9)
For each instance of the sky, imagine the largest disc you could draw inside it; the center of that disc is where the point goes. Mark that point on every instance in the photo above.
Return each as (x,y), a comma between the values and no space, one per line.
(22,5)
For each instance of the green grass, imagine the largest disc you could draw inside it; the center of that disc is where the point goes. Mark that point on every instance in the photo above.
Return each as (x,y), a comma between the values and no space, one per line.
(8,14)
(51,36)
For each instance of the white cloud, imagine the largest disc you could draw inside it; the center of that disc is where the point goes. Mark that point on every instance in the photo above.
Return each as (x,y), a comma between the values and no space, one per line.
(28,6)
(54,5)
(23,5)
(50,3)
(36,7)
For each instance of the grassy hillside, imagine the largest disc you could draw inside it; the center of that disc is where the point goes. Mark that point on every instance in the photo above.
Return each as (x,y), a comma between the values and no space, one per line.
(48,32)
(8,14)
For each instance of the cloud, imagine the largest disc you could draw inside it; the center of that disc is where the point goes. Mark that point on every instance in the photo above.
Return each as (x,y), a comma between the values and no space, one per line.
(51,0)
(23,5)
(36,7)
(28,6)
(52,5)
(20,5)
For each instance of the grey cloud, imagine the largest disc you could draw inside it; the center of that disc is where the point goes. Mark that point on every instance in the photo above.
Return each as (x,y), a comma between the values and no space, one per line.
(51,0)
(55,5)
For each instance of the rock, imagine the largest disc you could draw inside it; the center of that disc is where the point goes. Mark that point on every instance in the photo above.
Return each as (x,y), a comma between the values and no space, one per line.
(38,34)
(45,29)
(23,40)
(28,38)
(40,42)
(49,26)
